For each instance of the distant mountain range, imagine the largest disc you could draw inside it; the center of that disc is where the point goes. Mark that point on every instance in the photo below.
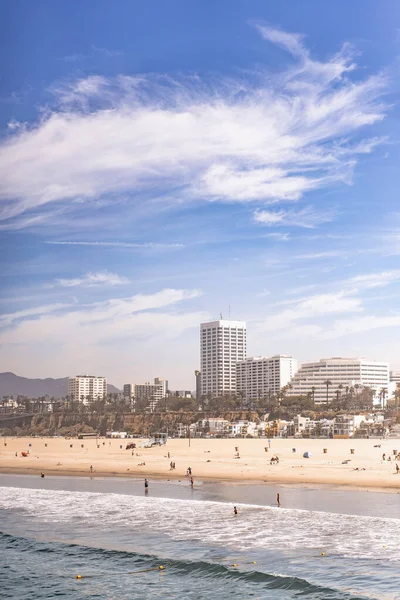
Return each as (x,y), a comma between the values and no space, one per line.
(13,385)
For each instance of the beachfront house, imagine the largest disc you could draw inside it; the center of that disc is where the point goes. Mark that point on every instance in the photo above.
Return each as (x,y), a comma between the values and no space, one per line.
(300,424)
(345,426)
(213,427)
(242,428)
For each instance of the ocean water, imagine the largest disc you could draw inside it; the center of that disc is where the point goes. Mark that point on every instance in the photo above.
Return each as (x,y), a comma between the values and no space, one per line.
(50,532)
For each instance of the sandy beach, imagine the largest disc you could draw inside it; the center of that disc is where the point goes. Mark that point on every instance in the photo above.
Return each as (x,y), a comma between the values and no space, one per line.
(213,459)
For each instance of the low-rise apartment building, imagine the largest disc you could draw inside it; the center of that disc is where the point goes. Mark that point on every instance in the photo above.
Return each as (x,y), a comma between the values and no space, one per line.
(340,373)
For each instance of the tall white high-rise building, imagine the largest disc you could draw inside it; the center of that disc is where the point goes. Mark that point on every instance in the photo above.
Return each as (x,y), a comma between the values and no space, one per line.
(345,372)
(261,377)
(87,388)
(222,345)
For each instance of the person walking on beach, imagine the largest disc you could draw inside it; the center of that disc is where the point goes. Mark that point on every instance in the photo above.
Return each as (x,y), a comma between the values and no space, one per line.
(235,511)
(278,500)
(146,486)
(397,469)
(191,482)
(91,468)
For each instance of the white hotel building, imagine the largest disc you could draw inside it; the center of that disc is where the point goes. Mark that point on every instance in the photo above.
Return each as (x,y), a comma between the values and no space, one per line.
(151,393)
(340,371)
(262,377)
(222,345)
(87,388)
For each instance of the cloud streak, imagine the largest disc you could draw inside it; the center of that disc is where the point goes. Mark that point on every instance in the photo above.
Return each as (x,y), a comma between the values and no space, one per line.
(93,279)
(150,245)
(257,138)
(306,217)
(101,320)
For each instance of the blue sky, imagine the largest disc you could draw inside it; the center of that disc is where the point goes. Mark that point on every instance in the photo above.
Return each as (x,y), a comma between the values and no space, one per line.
(165,162)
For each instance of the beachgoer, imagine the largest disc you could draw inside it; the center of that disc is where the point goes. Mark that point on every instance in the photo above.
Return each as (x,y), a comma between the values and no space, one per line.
(42,475)
(278,500)
(189,470)
(91,468)
(191,482)
(16,454)
(235,510)
(383,456)
(146,486)
(169,456)
(397,468)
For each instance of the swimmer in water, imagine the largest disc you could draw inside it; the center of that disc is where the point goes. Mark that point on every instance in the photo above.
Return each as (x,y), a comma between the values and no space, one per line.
(278,500)
(235,510)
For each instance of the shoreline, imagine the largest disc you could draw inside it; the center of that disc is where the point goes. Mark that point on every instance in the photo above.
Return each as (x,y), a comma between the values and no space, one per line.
(293,482)
(342,464)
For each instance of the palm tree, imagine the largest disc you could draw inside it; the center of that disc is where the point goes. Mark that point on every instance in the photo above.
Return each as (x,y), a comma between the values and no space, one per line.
(328,382)
(313,394)
(383,396)
(337,396)
(397,395)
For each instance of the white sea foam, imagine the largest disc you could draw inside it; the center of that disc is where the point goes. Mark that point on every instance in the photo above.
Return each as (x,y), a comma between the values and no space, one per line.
(213,523)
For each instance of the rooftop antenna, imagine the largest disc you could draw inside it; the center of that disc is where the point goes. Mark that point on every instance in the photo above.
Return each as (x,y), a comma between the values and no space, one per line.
(220,316)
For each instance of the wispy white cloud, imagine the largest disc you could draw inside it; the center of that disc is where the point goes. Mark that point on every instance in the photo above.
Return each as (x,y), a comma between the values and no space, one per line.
(326,316)
(311,308)
(151,245)
(319,255)
(360,324)
(9,318)
(373,280)
(306,217)
(264,294)
(292,42)
(92,279)
(280,237)
(105,52)
(258,138)
(101,320)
